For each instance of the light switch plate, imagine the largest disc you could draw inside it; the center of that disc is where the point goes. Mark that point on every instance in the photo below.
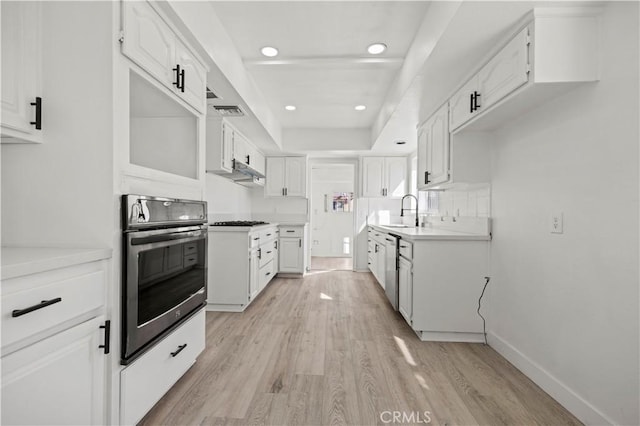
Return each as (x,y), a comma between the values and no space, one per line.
(556,223)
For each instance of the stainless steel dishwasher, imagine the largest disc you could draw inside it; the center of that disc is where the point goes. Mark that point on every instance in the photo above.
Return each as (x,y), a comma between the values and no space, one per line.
(391,268)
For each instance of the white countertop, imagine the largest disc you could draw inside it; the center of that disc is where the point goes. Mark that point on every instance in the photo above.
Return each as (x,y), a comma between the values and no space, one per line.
(414,233)
(20,261)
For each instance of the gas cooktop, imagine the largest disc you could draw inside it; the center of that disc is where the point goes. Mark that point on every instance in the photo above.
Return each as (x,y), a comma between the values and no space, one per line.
(239,223)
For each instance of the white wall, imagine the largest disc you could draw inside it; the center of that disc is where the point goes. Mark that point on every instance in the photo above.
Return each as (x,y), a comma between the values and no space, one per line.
(564,307)
(60,193)
(226,200)
(302,140)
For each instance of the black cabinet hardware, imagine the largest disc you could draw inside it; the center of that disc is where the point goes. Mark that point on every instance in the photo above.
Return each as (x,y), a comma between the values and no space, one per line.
(471,102)
(403,246)
(275,246)
(180,349)
(290,230)
(389,239)
(256,238)
(182,82)
(283,192)
(300,243)
(107,337)
(476,105)
(259,253)
(268,252)
(376,249)
(248,159)
(267,274)
(38,105)
(426,177)
(286,191)
(268,235)
(177,70)
(43,304)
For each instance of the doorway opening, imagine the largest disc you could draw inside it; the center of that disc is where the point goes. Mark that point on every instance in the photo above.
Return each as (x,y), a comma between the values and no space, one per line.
(332,214)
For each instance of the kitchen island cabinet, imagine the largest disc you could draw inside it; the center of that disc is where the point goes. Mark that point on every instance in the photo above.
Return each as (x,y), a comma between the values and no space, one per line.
(242,261)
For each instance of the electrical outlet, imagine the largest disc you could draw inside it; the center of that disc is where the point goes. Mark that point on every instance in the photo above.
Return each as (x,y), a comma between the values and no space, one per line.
(556,223)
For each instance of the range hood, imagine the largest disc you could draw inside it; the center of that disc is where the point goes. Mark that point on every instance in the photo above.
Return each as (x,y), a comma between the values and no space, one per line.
(243,174)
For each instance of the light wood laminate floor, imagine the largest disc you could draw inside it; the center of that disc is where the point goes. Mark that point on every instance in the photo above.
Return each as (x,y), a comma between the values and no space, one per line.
(328,349)
(331,263)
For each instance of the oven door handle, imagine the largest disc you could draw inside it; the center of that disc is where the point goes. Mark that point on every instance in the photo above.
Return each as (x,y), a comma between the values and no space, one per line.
(166,237)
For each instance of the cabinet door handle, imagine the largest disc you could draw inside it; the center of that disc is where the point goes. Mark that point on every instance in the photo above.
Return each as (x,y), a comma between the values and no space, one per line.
(267,274)
(471,102)
(283,192)
(177,70)
(275,245)
(107,337)
(248,159)
(182,82)
(256,238)
(286,191)
(376,249)
(476,105)
(300,242)
(426,177)
(268,235)
(177,351)
(259,253)
(38,105)
(43,304)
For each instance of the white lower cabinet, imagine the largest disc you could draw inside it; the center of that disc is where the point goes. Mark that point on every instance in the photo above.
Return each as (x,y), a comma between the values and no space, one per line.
(57,381)
(149,377)
(240,265)
(292,249)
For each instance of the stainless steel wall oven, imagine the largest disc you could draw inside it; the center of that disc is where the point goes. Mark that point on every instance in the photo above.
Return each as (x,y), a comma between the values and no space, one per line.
(164,268)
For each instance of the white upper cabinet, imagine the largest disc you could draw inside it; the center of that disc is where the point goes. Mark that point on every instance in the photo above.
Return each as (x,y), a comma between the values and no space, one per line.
(193,78)
(155,47)
(384,176)
(21,72)
(373,182)
(286,177)
(219,146)
(433,149)
(507,71)
(547,56)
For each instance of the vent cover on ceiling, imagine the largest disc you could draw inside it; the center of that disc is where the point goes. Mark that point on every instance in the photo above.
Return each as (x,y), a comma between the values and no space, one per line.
(229,110)
(211,95)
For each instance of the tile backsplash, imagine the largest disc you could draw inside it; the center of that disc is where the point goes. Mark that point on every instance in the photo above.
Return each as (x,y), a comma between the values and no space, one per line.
(470,202)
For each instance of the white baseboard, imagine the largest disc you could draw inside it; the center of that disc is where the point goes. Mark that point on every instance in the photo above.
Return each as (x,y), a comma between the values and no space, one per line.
(579,407)
(441,336)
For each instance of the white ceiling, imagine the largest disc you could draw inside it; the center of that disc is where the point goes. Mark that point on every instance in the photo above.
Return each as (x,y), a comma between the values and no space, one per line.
(323,67)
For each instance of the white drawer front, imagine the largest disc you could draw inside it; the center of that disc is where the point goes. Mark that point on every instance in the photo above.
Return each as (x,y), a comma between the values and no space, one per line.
(406,249)
(78,295)
(145,381)
(268,234)
(266,253)
(291,231)
(254,239)
(266,273)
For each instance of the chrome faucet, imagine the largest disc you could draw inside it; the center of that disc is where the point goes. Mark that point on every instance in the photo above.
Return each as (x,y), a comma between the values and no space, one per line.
(402,209)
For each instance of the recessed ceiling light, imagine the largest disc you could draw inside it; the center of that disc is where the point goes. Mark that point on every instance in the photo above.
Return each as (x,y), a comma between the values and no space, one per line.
(290,107)
(400,142)
(360,108)
(377,48)
(269,51)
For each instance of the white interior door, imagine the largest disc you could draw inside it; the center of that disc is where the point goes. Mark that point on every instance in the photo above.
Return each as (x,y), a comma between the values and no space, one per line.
(332,209)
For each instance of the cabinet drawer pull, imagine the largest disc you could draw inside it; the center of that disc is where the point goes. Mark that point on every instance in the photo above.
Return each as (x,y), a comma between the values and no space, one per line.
(259,253)
(268,235)
(403,246)
(267,274)
(107,337)
(43,304)
(300,243)
(177,70)
(426,177)
(180,349)
(275,244)
(290,230)
(471,102)
(256,238)
(476,105)
(269,252)
(38,105)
